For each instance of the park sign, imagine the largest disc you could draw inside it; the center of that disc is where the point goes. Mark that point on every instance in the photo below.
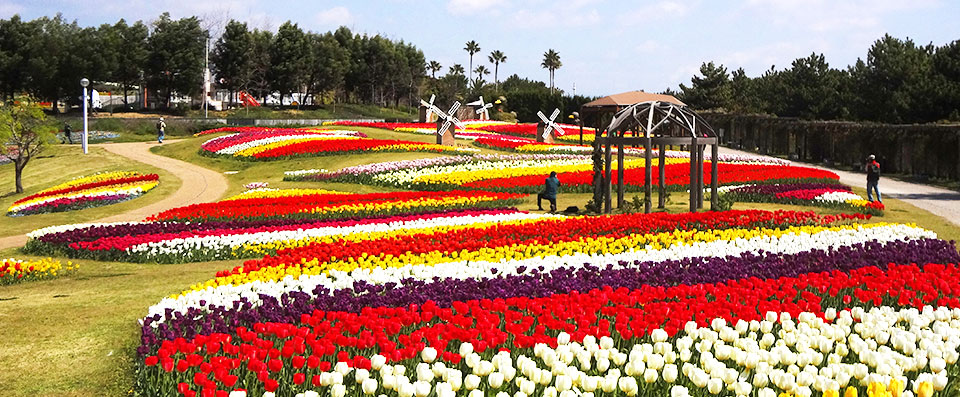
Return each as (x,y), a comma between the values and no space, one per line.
(547,128)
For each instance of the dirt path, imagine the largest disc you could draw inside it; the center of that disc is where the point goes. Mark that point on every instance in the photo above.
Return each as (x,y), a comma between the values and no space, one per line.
(199,185)
(939,201)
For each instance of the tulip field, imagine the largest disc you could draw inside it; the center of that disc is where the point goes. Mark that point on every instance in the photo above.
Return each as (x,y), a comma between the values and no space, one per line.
(393,275)
(86,192)
(274,144)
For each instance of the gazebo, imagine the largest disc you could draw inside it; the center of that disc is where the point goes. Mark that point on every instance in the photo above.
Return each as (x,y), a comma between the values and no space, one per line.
(642,119)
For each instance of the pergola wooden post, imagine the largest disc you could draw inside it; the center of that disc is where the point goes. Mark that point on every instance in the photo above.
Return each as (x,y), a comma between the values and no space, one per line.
(656,122)
(662,183)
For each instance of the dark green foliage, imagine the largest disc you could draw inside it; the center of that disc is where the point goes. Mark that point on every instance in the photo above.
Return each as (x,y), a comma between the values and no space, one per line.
(899,82)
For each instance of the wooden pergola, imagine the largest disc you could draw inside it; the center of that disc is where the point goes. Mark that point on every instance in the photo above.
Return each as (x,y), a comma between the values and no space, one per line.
(641,119)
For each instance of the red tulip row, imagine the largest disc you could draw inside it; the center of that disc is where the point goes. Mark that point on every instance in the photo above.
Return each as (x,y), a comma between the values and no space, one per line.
(280,207)
(251,129)
(545,231)
(677,175)
(346,145)
(292,354)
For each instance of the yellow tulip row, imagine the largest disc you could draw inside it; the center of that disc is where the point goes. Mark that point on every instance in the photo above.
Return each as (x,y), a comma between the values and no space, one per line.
(394,206)
(464,177)
(92,179)
(12,270)
(279,193)
(589,245)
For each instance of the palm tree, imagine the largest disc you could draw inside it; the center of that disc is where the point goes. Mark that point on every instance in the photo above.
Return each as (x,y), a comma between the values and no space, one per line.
(551,62)
(480,71)
(472,48)
(434,67)
(496,57)
(456,69)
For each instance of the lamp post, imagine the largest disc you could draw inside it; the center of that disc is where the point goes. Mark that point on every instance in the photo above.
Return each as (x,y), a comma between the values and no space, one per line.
(84,83)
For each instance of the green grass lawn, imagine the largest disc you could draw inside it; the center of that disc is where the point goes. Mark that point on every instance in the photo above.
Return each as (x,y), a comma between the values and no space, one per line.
(61,163)
(76,336)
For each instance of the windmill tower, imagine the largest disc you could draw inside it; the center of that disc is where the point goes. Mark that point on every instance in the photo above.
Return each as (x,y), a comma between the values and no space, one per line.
(482,108)
(428,110)
(445,135)
(547,128)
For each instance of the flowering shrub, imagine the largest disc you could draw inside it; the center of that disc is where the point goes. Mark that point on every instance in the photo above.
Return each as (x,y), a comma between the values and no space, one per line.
(256,144)
(820,194)
(14,271)
(86,192)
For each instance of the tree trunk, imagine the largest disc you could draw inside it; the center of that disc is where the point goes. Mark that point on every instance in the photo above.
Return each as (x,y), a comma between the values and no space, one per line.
(126,104)
(19,175)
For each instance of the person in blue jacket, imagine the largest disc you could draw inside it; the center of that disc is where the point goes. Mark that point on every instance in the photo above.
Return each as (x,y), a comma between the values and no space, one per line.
(550,186)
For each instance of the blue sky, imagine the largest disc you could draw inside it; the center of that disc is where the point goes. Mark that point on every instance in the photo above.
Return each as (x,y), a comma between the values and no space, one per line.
(605,46)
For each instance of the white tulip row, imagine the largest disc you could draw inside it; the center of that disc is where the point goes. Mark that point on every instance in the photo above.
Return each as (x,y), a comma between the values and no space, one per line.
(190,246)
(907,351)
(838,197)
(790,243)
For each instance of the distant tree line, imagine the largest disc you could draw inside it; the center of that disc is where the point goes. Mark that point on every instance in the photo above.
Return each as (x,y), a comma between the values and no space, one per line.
(899,82)
(47,57)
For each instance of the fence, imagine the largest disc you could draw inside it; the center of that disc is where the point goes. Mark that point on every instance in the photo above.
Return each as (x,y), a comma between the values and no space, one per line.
(925,151)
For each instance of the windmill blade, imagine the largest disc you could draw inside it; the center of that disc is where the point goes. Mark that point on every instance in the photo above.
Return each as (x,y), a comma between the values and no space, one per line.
(559,130)
(443,128)
(547,130)
(453,109)
(433,97)
(553,116)
(543,117)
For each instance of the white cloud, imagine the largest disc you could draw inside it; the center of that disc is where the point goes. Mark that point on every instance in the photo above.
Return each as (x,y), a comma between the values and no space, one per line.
(335,16)
(547,18)
(469,7)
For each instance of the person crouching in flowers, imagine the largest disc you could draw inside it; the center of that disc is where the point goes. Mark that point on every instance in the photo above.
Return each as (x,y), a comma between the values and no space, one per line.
(550,186)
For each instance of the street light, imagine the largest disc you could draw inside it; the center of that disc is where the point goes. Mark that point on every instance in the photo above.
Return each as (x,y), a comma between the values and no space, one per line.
(84,83)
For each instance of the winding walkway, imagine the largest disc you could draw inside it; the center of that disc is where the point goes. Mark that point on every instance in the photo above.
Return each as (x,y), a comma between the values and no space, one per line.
(939,201)
(198,185)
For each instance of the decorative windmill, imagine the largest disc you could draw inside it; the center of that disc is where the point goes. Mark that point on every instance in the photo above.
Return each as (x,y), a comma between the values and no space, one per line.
(482,108)
(444,135)
(547,128)
(428,109)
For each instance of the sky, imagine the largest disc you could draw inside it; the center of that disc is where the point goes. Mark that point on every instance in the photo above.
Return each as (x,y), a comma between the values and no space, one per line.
(606,46)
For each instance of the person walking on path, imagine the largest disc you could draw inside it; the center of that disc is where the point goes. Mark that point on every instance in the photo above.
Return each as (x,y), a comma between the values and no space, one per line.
(873,178)
(161,129)
(549,192)
(68,133)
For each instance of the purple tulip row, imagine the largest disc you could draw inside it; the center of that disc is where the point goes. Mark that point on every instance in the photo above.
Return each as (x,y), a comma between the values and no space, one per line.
(699,270)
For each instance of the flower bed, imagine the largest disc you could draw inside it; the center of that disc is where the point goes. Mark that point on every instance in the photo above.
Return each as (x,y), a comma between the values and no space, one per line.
(819,194)
(14,271)
(86,192)
(525,173)
(641,304)
(255,144)
(251,223)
